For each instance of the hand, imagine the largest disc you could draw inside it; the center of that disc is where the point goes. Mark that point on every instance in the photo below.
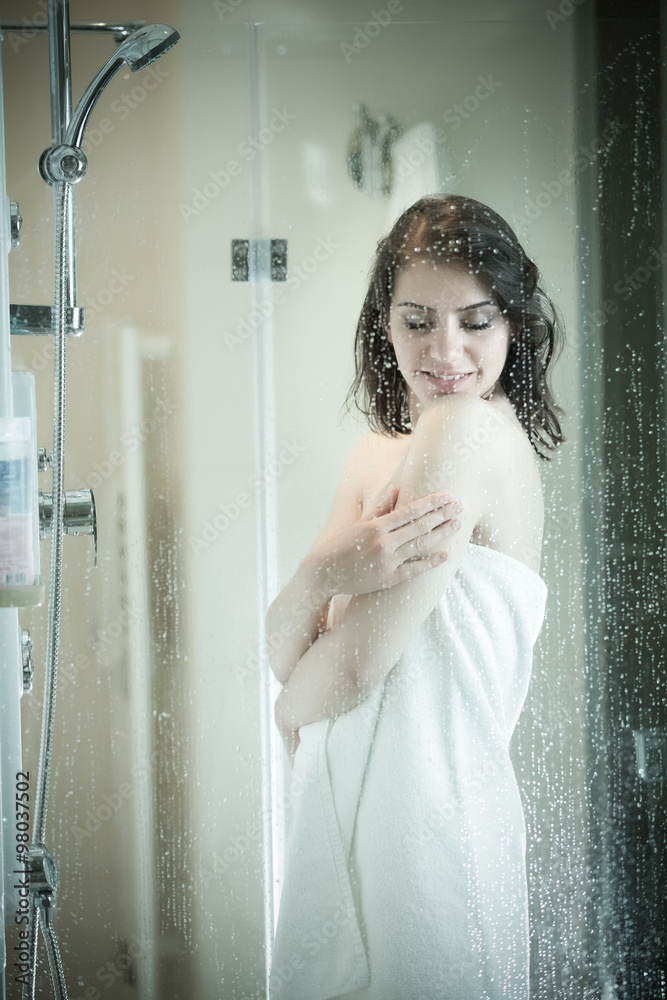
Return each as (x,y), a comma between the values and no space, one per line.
(389,545)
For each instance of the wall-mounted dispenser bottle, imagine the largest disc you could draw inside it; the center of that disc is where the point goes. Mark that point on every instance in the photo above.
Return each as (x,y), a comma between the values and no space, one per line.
(20,582)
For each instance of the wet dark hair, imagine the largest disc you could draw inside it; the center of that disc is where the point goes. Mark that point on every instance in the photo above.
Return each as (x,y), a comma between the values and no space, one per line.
(455,229)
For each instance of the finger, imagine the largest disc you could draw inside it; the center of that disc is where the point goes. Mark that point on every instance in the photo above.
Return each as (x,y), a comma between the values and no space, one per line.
(427,544)
(415,567)
(426,524)
(416,509)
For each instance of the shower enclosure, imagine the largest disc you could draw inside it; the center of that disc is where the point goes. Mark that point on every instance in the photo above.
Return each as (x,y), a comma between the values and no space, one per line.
(224,230)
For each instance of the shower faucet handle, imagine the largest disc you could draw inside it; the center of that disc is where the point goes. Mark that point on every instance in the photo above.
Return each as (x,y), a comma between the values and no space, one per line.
(80,517)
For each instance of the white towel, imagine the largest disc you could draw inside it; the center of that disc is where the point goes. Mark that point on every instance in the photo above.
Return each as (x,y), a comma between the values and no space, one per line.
(405,869)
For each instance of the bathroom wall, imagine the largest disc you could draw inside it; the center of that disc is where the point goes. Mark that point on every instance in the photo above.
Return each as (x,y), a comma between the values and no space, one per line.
(226,397)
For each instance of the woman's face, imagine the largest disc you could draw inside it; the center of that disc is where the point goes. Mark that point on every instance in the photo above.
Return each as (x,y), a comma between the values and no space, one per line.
(447,332)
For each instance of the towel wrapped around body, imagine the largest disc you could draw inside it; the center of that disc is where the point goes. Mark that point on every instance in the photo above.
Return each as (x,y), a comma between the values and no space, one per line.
(405,861)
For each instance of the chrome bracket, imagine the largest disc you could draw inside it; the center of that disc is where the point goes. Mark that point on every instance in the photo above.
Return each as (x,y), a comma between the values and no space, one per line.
(36,321)
(43,459)
(28,664)
(16,223)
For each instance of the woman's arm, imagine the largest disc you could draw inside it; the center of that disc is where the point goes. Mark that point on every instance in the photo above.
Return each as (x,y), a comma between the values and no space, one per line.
(355,555)
(298,614)
(296,618)
(345,664)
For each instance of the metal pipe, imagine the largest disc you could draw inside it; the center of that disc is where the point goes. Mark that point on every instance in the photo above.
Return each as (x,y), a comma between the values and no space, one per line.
(60,72)
(120,29)
(60,69)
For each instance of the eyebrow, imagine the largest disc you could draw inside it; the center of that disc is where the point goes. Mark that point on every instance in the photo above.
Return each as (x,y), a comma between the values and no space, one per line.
(475,305)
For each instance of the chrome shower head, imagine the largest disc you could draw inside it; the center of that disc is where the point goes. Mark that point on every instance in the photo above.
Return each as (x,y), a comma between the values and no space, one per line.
(146,44)
(137,51)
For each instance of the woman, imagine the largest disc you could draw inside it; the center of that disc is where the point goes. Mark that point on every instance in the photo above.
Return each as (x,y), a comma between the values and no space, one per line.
(405,872)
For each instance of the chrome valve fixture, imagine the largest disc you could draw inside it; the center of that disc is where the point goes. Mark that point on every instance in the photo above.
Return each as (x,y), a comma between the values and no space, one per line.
(79,518)
(42,870)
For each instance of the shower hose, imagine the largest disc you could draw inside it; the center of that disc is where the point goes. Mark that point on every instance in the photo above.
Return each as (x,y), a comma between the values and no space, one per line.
(41,903)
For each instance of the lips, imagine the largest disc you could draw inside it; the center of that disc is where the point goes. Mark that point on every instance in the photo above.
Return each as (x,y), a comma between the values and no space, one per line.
(447,378)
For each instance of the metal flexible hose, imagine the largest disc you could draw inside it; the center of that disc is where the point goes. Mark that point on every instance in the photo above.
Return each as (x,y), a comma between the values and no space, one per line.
(51,942)
(62,196)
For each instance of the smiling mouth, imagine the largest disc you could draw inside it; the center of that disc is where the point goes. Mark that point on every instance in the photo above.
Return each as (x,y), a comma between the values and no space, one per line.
(448,378)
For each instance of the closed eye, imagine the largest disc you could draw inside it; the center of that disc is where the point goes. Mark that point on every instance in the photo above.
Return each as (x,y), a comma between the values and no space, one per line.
(466,326)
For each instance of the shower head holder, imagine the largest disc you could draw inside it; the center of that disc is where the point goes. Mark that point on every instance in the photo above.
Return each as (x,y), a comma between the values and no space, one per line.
(63,163)
(67,162)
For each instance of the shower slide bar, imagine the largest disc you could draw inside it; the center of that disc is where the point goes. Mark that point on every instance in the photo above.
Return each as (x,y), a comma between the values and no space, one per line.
(62,166)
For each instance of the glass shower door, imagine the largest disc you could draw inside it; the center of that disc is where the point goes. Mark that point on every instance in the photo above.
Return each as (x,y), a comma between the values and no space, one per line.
(373,116)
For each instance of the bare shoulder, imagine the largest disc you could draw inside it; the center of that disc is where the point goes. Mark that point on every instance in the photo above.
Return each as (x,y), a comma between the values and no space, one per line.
(486,436)
(471,423)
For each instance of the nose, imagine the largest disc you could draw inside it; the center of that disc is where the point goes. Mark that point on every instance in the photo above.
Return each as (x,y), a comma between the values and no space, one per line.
(446,340)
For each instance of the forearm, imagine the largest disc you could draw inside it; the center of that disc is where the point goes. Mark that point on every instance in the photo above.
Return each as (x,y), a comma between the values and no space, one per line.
(296,618)
(323,684)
